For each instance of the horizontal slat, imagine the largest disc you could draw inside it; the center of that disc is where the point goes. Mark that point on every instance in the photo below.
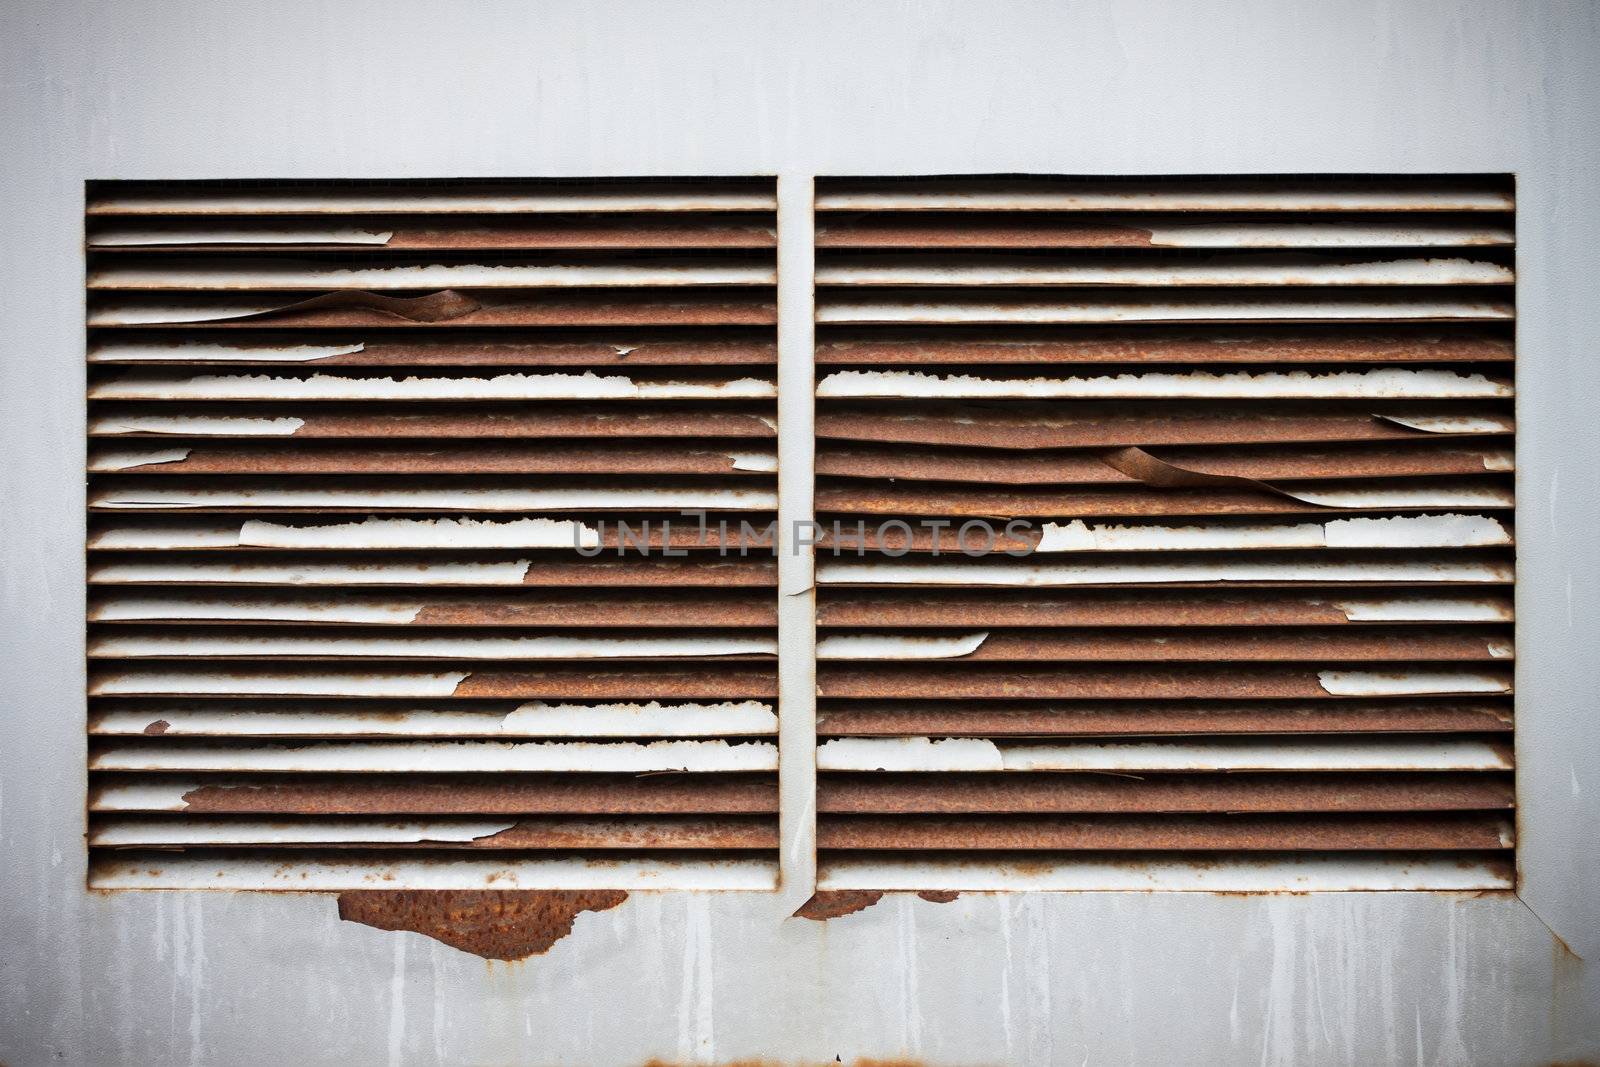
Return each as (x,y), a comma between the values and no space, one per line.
(957,501)
(438,794)
(1157,344)
(1265,567)
(1146,230)
(1173,873)
(1186,608)
(418,495)
(342,719)
(1064,793)
(1165,194)
(243,642)
(728,831)
(1391,383)
(669,307)
(1220,681)
(433,198)
(965,754)
(1087,424)
(1176,645)
(728,680)
(959,269)
(326,873)
(1155,718)
(426,457)
(234,273)
(653,610)
(430,757)
(378,419)
(398,233)
(1037,467)
(484,351)
(453,570)
(957,307)
(167,385)
(1167,833)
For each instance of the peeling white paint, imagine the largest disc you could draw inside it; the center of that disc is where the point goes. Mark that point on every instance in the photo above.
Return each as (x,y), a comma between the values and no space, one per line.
(749,718)
(197,425)
(898,646)
(200,352)
(1410,531)
(301,572)
(1426,609)
(951,572)
(609,757)
(1401,494)
(1386,382)
(222,642)
(307,683)
(515,386)
(375,532)
(236,609)
(1411,682)
(764,462)
(118,459)
(130,235)
(159,832)
(465,498)
(1298,754)
(1453,423)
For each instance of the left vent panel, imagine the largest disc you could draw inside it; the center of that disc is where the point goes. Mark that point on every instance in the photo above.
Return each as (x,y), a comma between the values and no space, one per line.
(394,576)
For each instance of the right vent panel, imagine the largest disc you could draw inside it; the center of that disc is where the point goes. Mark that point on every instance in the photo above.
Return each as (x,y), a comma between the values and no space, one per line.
(1167,533)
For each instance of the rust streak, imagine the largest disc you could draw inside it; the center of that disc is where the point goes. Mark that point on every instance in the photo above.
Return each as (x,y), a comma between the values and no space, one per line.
(831,904)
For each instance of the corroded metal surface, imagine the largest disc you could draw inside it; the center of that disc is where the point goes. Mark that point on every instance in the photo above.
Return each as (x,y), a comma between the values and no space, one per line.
(504,924)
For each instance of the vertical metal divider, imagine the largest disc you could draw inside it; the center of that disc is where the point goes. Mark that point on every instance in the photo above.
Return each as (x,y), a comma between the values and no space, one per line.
(797,664)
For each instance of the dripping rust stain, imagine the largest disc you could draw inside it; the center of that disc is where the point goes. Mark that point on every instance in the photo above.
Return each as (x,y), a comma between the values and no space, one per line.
(497,924)
(832,903)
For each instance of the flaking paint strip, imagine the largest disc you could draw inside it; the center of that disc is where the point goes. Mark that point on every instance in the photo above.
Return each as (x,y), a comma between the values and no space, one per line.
(1387,382)
(510,573)
(198,352)
(516,386)
(382,533)
(130,609)
(1409,531)
(372,684)
(1411,683)
(605,757)
(959,269)
(851,572)
(224,426)
(134,236)
(1450,424)
(121,459)
(442,499)
(898,647)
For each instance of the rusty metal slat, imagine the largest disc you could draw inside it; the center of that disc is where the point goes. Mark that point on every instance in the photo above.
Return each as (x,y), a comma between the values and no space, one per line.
(721,832)
(427,457)
(642,308)
(1087,424)
(1158,718)
(1197,644)
(377,569)
(355,642)
(474,421)
(1065,793)
(1218,681)
(1163,833)
(420,233)
(1488,492)
(658,609)
(1150,230)
(208,385)
(490,350)
(1178,607)
(257,278)
(638,681)
(1156,344)
(1389,460)
(443,794)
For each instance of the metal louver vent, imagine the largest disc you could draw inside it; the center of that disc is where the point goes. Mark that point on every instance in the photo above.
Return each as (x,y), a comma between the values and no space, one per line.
(346,443)
(1255,628)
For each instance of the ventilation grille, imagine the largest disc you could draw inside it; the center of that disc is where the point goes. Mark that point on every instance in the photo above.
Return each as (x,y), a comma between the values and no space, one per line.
(346,441)
(1256,633)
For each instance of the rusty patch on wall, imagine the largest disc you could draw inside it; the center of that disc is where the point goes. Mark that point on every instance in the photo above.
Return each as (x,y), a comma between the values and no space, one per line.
(497,924)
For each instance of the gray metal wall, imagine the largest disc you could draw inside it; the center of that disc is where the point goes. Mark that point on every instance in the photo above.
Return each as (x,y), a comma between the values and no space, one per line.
(184,89)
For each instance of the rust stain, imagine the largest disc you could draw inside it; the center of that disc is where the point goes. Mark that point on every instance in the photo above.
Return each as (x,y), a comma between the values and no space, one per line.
(828,904)
(160,726)
(496,924)
(936,896)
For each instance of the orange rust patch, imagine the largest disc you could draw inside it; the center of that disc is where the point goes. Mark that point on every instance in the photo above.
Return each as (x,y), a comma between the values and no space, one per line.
(938,896)
(830,904)
(497,924)
(160,726)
